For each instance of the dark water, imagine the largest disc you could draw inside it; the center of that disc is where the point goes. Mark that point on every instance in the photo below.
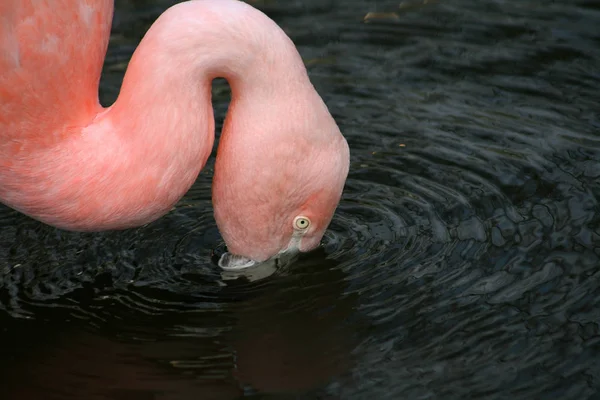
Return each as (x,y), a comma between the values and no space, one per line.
(463,261)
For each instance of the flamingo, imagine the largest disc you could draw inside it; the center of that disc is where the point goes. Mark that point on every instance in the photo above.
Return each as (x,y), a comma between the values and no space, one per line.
(68,162)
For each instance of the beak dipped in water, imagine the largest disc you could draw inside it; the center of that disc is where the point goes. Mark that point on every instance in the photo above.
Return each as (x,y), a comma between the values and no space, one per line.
(232,262)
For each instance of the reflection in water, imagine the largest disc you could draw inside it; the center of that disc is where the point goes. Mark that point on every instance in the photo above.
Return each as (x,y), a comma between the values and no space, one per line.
(462,262)
(292,342)
(292,335)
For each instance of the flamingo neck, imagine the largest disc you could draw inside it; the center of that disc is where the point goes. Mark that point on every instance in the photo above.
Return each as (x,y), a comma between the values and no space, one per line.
(159,132)
(137,158)
(168,81)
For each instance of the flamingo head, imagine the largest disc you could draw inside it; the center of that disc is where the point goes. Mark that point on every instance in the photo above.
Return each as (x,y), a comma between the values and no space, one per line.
(276,189)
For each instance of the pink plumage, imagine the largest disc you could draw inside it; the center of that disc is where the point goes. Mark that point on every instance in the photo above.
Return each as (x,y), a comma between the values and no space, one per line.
(70,163)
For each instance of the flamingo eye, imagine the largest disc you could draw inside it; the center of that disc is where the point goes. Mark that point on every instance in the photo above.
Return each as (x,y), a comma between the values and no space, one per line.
(301,223)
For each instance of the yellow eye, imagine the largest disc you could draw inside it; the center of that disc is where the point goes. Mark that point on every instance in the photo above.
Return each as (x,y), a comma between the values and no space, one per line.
(301,223)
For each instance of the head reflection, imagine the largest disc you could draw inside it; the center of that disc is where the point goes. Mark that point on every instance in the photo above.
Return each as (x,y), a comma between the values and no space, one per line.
(288,333)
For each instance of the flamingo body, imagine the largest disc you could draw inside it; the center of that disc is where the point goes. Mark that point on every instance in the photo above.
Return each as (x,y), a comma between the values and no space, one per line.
(68,162)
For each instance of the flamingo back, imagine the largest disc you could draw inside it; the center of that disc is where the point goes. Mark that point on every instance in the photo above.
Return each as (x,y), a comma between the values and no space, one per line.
(51,56)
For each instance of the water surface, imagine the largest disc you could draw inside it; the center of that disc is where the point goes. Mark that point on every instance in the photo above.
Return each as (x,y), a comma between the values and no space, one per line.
(462,262)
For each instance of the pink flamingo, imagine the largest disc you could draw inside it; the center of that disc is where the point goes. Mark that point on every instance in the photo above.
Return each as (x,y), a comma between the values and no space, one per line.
(68,162)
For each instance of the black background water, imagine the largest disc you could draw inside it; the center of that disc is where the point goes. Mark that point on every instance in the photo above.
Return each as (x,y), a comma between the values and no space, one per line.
(463,261)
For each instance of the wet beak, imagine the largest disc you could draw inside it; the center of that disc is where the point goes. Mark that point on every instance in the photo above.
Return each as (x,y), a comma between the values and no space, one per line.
(232,262)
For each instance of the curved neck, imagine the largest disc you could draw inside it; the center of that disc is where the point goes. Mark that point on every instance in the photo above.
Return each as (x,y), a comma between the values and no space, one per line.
(160,130)
(138,157)
(170,74)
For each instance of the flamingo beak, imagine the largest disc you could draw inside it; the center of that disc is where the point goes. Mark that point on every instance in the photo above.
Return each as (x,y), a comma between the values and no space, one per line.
(233,262)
